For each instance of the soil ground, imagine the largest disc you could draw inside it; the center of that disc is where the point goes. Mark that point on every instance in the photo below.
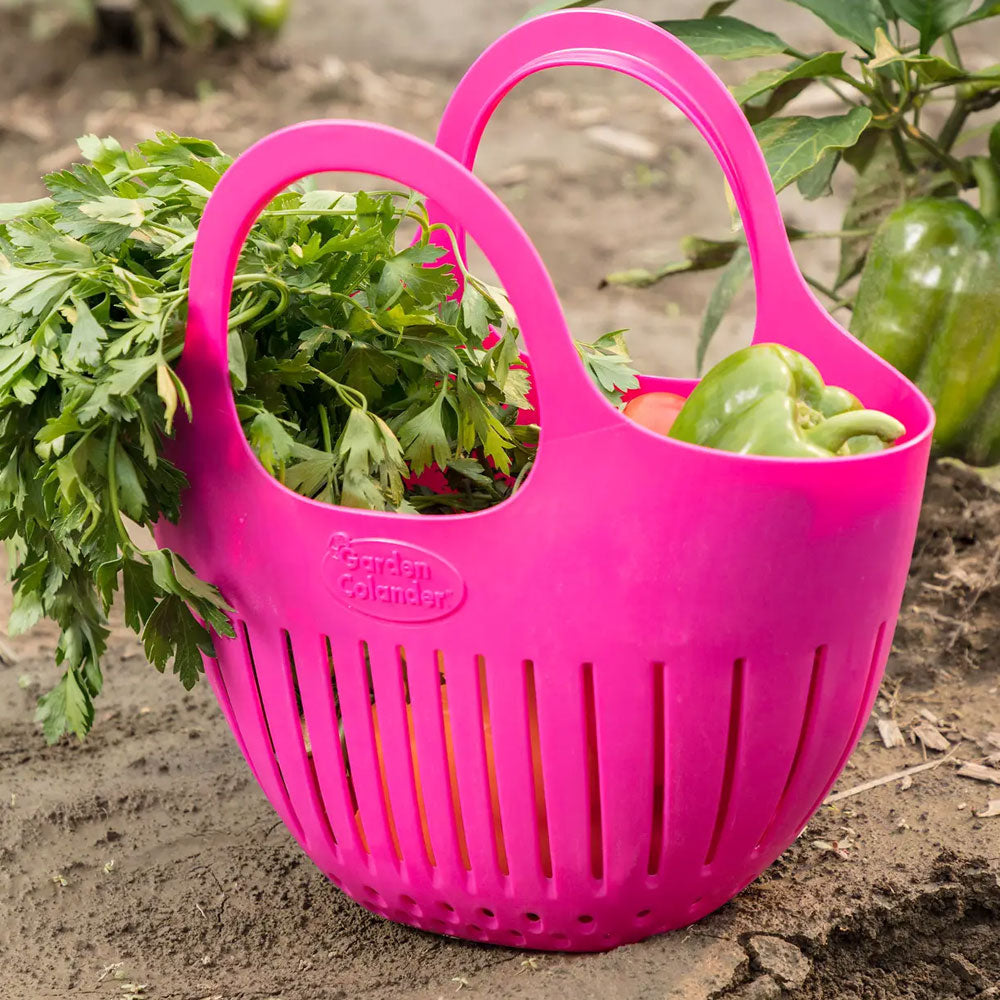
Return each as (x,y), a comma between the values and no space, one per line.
(146,862)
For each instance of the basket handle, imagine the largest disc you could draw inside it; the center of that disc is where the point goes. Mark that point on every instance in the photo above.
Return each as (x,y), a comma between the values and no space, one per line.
(572,405)
(635,47)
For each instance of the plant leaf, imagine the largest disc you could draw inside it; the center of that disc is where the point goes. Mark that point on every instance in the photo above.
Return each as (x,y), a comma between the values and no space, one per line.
(932,18)
(988,8)
(795,144)
(853,19)
(551,5)
(931,69)
(726,37)
(826,64)
(815,183)
(86,339)
(730,282)
(66,708)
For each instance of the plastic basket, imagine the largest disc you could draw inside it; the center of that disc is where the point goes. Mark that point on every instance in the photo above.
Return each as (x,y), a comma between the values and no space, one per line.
(652,677)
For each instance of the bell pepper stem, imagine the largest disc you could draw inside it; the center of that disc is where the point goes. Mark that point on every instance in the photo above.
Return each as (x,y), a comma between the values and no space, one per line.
(834,432)
(984,172)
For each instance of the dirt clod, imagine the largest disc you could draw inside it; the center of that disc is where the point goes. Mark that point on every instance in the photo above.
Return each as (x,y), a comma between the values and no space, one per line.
(764,988)
(780,958)
(966,971)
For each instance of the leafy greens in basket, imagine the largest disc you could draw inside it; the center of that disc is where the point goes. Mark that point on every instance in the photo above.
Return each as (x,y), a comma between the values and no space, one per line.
(354,372)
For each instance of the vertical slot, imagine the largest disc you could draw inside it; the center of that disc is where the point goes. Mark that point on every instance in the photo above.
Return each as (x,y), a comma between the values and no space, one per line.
(306,743)
(491,770)
(449,746)
(541,816)
(412,738)
(732,749)
(343,748)
(808,714)
(659,768)
(593,775)
(248,649)
(864,710)
(383,780)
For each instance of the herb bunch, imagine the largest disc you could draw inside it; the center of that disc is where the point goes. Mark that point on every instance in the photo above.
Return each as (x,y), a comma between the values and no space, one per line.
(359,379)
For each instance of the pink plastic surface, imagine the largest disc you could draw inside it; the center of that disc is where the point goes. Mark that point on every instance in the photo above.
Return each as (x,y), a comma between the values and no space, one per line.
(676,648)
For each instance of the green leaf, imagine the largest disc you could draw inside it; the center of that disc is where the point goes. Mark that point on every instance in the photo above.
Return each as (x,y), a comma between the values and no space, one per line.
(271,442)
(815,183)
(852,19)
(172,632)
(131,497)
(424,439)
(26,611)
(988,8)
(138,591)
(407,270)
(931,69)
(551,5)
(85,341)
(129,212)
(826,64)
(730,282)
(794,145)
(67,708)
(475,311)
(24,209)
(932,18)
(727,37)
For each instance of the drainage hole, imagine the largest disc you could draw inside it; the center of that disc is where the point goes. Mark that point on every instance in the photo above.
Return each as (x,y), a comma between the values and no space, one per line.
(374,893)
(533,917)
(517,935)
(408,901)
(447,906)
(585,919)
(486,912)
(642,914)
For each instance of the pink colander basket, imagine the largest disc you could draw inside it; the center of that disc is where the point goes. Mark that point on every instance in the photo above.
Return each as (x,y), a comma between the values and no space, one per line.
(618,731)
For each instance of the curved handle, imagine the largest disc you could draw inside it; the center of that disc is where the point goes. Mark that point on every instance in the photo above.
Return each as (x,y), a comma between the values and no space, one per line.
(637,48)
(570,403)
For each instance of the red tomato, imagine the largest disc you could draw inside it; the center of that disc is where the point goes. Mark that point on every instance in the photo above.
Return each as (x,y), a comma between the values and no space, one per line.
(656,411)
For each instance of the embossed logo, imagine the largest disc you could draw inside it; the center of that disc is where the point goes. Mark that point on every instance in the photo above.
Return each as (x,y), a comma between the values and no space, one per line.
(392,580)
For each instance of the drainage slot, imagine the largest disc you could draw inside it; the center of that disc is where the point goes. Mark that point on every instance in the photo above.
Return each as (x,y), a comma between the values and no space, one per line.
(306,743)
(593,775)
(383,780)
(864,710)
(412,738)
(449,747)
(248,652)
(659,767)
(732,748)
(541,816)
(343,748)
(501,846)
(819,661)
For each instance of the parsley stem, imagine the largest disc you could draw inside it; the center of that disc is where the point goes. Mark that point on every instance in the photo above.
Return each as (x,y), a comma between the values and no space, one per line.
(113,490)
(351,396)
(325,424)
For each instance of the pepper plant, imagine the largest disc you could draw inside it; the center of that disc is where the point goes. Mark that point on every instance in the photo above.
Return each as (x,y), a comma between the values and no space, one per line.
(916,134)
(146,24)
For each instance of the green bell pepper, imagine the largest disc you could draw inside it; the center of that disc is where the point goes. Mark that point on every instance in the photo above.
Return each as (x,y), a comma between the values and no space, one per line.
(929,304)
(769,400)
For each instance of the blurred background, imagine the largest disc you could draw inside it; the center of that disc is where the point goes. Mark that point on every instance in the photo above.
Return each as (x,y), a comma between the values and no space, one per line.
(604,174)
